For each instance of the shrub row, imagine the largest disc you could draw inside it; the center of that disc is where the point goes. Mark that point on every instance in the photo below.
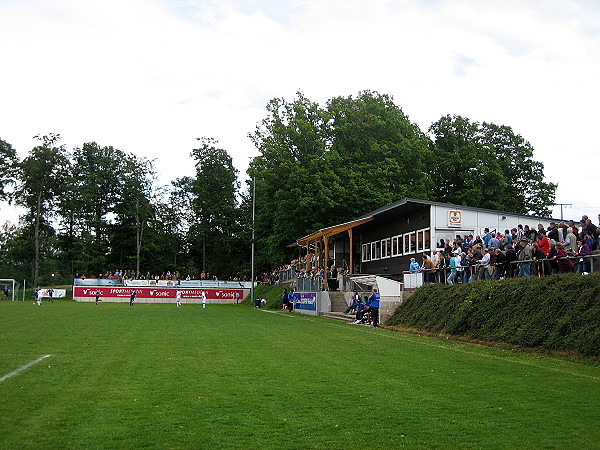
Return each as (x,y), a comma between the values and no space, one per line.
(560,312)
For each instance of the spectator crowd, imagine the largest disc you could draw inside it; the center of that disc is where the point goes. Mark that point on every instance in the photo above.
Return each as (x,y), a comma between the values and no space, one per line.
(520,252)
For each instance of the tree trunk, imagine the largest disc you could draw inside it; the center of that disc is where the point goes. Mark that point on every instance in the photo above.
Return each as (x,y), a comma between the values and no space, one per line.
(36,239)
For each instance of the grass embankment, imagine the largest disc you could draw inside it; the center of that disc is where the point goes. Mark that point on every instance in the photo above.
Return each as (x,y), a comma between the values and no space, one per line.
(229,376)
(558,313)
(272,294)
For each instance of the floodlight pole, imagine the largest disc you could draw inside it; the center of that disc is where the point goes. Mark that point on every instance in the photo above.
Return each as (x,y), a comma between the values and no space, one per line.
(561,208)
(253,209)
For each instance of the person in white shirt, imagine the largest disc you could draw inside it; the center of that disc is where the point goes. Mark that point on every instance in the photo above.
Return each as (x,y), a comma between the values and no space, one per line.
(203,299)
(178,298)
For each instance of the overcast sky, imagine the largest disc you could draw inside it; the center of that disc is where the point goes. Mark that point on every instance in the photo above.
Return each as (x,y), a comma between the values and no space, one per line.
(150,76)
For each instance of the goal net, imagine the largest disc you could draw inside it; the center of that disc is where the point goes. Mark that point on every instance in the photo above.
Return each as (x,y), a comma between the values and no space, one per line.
(9,289)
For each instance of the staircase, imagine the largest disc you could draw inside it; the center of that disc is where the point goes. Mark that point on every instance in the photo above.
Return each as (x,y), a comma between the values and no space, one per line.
(338,306)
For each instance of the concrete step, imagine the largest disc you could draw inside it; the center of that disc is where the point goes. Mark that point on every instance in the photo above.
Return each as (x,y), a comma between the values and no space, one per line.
(339,316)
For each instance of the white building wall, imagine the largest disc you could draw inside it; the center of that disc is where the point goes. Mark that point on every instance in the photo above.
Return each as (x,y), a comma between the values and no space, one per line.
(473,221)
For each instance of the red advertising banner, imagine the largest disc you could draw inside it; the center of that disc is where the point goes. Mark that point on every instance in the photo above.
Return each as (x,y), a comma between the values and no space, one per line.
(155,292)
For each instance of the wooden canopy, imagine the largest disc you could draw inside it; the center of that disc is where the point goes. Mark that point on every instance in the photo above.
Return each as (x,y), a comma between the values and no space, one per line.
(325,233)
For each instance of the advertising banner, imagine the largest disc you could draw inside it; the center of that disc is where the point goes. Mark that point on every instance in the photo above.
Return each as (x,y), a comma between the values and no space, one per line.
(96,282)
(156,293)
(214,284)
(56,293)
(136,282)
(305,301)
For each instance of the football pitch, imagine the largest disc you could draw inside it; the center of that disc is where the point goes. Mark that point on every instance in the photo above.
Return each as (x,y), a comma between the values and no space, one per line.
(230,376)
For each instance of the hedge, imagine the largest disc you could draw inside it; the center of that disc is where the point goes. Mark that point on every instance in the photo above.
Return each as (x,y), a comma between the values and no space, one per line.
(559,312)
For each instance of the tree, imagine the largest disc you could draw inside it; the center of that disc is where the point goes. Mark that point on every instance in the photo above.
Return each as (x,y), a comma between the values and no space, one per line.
(41,182)
(379,155)
(8,167)
(296,188)
(487,166)
(213,204)
(528,191)
(134,208)
(319,167)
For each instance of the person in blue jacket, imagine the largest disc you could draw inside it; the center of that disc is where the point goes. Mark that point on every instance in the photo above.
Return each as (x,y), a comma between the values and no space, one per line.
(374,308)
(414,266)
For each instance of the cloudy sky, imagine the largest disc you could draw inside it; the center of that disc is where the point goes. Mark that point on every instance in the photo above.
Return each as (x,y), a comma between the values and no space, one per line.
(150,76)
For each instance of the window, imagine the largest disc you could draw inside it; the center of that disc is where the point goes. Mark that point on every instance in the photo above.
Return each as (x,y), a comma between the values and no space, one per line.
(427,239)
(413,242)
(406,243)
(420,239)
(396,245)
(386,248)
(366,252)
(375,250)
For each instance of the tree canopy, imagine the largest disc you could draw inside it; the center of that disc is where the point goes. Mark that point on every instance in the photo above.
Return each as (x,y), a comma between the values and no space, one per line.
(98,207)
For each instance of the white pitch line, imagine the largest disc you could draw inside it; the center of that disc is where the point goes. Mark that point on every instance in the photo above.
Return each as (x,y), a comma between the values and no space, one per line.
(23,367)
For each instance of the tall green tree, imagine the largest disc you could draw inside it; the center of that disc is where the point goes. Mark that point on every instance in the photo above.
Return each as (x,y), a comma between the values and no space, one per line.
(213,200)
(8,167)
(321,166)
(296,186)
(529,192)
(134,209)
(487,166)
(379,155)
(41,183)
(96,184)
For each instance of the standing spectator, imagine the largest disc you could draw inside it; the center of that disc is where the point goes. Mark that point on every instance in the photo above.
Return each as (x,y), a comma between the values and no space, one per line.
(437,256)
(486,237)
(414,266)
(509,258)
(552,264)
(500,263)
(493,242)
(374,308)
(508,238)
(544,242)
(520,233)
(452,277)
(429,269)
(524,254)
(570,243)
(553,233)
(584,263)
(484,264)
(564,264)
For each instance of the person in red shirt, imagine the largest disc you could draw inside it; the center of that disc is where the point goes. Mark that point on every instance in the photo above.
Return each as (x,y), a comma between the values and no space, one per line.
(543,242)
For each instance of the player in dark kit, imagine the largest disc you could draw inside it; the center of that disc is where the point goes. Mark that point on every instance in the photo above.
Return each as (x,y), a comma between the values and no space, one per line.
(132,298)
(98,296)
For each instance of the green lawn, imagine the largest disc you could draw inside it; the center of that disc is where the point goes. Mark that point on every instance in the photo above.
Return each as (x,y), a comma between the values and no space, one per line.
(230,376)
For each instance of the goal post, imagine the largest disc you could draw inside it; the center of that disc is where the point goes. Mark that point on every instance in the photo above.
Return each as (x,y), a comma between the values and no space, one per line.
(13,289)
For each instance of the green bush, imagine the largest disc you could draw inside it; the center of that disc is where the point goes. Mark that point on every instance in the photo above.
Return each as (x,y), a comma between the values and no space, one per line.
(561,312)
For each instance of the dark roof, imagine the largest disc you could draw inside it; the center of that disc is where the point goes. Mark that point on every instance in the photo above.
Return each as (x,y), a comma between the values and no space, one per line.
(405,201)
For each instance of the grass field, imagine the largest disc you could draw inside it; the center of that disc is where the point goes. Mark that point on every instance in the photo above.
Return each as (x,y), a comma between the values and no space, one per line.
(230,376)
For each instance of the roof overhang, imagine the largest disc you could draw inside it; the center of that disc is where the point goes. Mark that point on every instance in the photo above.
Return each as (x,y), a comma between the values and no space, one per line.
(332,231)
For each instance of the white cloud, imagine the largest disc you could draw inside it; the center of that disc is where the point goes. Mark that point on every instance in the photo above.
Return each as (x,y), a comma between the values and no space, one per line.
(150,76)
